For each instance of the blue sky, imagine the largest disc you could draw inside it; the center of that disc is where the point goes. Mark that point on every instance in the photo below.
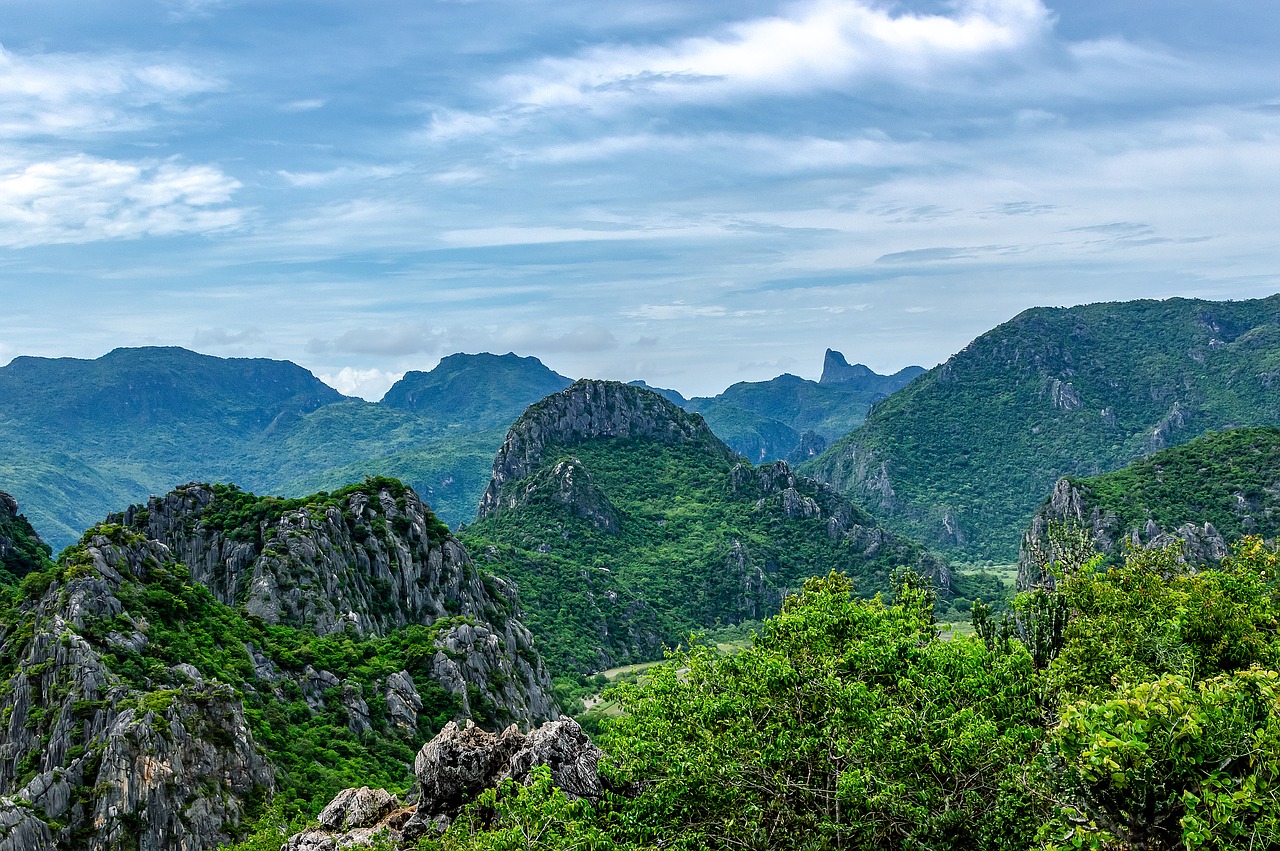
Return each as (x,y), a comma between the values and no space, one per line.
(689,193)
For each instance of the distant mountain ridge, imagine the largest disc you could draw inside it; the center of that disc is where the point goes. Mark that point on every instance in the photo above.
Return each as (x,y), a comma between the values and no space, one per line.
(84,436)
(837,370)
(793,418)
(962,456)
(488,391)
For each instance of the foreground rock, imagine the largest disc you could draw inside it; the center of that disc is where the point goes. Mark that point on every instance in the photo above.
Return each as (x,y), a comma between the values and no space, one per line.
(453,769)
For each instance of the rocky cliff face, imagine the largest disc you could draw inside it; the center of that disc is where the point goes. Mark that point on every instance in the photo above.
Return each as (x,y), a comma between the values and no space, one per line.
(1198,543)
(588,409)
(378,560)
(118,740)
(21,550)
(374,559)
(108,764)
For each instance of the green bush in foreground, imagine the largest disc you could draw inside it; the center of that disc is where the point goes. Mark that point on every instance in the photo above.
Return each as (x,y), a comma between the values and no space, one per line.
(849,723)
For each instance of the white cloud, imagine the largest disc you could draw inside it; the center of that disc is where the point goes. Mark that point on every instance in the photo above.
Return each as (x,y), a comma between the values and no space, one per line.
(821,45)
(304,105)
(69,93)
(370,384)
(675,310)
(84,199)
(340,175)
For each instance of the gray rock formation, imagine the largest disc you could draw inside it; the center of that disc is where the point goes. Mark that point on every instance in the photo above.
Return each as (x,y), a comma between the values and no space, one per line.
(109,764)
(588,409)
(354,819)
(776,488)
(21,829)
(462,761)
(452,770)
(1198,544)
(569,485)
(161,756)
(378,563)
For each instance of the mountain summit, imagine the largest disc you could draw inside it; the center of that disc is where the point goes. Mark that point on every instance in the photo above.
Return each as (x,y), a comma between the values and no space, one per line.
(483,390)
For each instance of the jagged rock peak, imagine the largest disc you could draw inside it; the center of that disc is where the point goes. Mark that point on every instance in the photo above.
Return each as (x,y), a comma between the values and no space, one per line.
(836,369)
(590,409)
(370,555)
(90,751)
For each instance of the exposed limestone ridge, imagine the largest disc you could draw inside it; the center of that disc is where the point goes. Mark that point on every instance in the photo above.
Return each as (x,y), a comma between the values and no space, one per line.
(379,562)
(589,409)
(105,763)
(569,484)
(777,488)
(1198,543)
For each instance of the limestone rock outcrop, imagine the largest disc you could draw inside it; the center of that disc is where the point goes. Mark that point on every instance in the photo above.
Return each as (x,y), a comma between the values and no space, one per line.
(588,409)
(108,763)
(452,770)
(376,562)
(1198,544)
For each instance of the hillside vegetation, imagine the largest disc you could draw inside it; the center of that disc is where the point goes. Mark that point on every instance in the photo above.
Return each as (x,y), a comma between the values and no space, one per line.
(1149,720)
(961,458)
(626,533)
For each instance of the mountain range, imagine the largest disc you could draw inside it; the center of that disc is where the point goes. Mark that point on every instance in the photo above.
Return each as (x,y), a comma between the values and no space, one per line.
(85,436)
(961,457)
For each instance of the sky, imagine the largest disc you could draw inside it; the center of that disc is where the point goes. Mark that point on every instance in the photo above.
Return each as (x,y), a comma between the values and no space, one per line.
(690,193)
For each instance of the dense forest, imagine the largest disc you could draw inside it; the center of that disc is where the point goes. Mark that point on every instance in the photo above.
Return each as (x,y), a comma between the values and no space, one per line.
(1130,708)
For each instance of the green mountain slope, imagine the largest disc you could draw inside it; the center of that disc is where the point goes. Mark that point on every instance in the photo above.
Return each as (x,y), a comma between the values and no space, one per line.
(962,456)
(625,523)
(83,436)
(1202,496)
(484,391)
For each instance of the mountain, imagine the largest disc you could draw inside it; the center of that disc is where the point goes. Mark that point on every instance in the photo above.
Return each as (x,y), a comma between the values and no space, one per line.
(84,436)
(962,457)
(195,655)
(481,391)
(837,370)
(669,395)
(770,420)
(626,522)
(1202,497)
